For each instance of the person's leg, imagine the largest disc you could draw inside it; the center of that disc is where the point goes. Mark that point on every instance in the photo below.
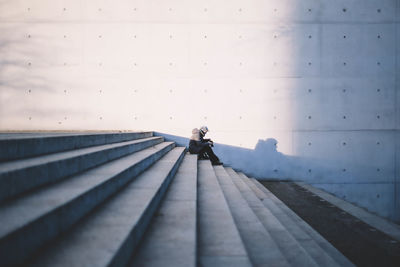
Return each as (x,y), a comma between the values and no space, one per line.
(202,155)
(214,159)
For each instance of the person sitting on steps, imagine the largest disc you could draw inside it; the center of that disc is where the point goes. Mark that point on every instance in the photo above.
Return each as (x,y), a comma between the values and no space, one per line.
(202,147)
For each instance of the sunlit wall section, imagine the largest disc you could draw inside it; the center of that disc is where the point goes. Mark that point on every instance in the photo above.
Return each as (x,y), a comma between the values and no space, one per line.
(150,65)
(159,65)
(290,89)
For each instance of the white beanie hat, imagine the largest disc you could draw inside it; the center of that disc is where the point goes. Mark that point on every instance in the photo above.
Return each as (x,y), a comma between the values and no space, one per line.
(204,129)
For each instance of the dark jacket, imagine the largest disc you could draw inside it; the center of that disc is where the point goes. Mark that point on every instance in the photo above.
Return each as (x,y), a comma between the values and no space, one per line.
(195,146)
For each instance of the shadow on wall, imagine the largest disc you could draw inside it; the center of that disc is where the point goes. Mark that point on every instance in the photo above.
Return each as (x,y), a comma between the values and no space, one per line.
(264,161)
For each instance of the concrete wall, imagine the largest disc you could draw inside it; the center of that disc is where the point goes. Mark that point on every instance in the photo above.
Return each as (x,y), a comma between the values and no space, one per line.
(290,89)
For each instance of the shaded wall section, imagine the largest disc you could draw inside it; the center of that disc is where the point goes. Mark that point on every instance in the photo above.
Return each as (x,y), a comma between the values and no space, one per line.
(320,79)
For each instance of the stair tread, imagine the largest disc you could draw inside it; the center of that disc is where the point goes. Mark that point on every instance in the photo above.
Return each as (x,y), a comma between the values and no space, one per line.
(26,229)
(171,237)
(255,237)
(291,249)
(278,212)
(24,175)
(21,211)
(23,145)
(318,248)
(16,165)
(41,135)
(219,240)
(97,239)
(93,201)
(25,136)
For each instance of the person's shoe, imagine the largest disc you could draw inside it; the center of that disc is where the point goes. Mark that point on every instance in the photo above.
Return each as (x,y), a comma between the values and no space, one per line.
(217,163)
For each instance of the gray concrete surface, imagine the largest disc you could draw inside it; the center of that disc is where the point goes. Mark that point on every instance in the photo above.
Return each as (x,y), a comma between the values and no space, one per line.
(31,221)
(22,145)
(373,220)
(219,241)
(21,175)
(307,75)
(109,235)
(329,101)
(290,248)
(258,242)
(171,238)
(321,257)
(318,247)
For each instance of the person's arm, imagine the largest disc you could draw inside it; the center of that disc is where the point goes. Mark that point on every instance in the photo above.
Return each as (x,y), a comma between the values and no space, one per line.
(201,144)
(206,141)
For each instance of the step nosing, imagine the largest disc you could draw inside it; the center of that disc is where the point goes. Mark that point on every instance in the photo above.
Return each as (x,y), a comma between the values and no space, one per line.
(45,135)
(288,244)
(248,222)
(63,155)
(26,145)
(211,223)
(318,247)
(57,169)
(106,212)
(85,190)
(169,226)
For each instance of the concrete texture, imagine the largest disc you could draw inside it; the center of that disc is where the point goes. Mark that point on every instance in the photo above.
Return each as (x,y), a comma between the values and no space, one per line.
(151,205)
(318,247)
(23,145)
(359,242)
(259,244)
(171,238)
(321,257)
(219,242)
(36,218)
(288,72)
(22,175)
(290,248)
(377,222)
(397,174)
(110,234)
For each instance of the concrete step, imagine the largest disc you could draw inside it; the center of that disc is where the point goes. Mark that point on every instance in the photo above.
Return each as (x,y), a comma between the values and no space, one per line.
(35,218)
(171,238)
(23,145)
(22,175)
(219,241)
(317,247)
(259,244)
(382,224)
(109,235)
(291,249)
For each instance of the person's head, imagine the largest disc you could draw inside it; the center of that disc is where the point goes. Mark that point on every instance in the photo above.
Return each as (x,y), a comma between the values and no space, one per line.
(203,130)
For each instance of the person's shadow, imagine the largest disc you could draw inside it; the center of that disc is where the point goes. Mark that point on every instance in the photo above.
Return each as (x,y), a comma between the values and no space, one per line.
(266,147)
(262,161)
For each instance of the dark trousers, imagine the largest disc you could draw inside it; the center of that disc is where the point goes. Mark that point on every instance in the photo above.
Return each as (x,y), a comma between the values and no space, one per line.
(210,153)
